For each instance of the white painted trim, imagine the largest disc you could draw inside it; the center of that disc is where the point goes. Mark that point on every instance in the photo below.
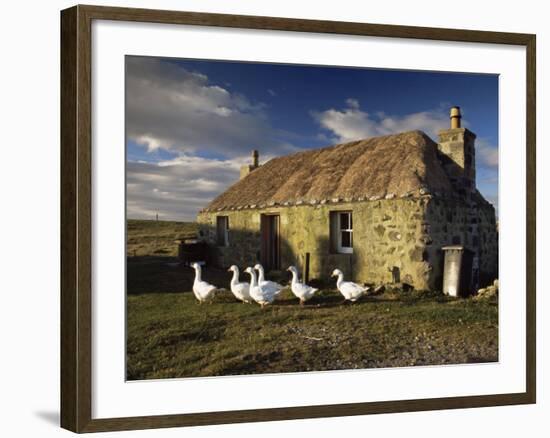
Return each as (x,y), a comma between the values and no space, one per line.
(343,249)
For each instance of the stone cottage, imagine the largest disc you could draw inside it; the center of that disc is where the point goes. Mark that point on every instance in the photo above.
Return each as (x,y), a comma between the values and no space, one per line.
(379,209)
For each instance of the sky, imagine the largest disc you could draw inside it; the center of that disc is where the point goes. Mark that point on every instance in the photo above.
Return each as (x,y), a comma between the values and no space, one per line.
(191,124)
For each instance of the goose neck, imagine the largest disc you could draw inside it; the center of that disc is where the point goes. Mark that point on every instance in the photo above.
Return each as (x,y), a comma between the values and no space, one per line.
(235,278)
(252,279)
(197,273)
(261,276)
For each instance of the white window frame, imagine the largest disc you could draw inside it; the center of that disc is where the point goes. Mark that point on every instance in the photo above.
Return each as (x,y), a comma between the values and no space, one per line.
(344,249)
(225,231)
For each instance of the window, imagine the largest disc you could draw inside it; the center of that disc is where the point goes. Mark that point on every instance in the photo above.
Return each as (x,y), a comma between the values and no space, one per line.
(341,228)
(222,230)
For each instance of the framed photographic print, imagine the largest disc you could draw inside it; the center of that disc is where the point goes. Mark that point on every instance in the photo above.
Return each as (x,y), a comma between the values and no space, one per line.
(268,219)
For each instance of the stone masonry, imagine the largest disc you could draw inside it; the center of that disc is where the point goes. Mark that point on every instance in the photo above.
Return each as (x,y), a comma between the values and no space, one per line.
(399,231)
(406,233)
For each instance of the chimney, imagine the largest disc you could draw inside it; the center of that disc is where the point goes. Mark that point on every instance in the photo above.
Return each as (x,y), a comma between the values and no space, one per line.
(455,117)
(247,168)
(457,148)
(255,158)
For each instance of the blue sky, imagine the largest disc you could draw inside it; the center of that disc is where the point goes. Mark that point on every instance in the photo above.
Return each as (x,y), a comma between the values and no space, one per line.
(190,123)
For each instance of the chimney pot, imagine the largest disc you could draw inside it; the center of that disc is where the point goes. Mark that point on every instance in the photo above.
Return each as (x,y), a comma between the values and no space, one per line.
(455,117)
(255,158)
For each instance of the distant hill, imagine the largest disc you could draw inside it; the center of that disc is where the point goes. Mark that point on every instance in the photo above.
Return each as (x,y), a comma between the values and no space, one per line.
(156,238)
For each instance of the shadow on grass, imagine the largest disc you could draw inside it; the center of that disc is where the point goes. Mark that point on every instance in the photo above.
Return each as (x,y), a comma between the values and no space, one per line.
(148,274)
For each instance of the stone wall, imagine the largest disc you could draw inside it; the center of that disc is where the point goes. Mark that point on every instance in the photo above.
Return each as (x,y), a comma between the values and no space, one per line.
(404,233)
(458,157)
(470,223)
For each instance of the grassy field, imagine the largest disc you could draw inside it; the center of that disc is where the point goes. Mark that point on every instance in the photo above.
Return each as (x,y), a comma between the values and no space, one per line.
(156,238)
(170,335)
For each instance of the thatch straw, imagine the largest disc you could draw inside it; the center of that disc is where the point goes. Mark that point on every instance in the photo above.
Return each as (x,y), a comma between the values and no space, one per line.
(382,167)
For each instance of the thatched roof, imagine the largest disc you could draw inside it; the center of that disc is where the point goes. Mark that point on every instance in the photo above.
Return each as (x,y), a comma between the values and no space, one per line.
(399,165)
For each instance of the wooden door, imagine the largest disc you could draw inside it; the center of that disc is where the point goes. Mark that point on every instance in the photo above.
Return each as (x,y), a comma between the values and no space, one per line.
(270,248)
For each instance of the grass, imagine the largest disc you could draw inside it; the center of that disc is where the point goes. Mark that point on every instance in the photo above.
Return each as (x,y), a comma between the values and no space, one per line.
(170,335)
(156,238)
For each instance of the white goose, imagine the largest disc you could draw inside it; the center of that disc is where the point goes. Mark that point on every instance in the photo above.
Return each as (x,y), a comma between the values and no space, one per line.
(263,295)
(301,290)
(240,290)
(263,282)
(351,291)
(203,291)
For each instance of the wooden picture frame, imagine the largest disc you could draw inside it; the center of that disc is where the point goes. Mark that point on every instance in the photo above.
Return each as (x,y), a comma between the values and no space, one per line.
(76,218)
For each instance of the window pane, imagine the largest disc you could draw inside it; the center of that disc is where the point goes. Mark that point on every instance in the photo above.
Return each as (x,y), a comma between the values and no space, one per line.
(344,221)
(346,239)
(350,221)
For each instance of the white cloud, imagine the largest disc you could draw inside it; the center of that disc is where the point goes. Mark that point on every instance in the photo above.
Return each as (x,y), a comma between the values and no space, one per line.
(351,123)
(177,189)
(352,103)
(487,170)
(486,153)
(152,143)
(172,108)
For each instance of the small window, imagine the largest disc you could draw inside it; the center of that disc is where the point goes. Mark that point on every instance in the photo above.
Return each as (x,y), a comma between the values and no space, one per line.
(222,230)
(341,228)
